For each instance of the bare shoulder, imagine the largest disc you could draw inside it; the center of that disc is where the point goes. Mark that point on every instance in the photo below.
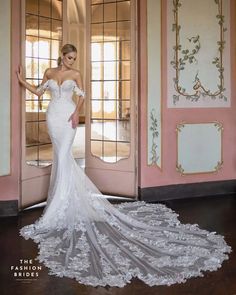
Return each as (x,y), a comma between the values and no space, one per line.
(77,78)
(49,72)
(76,74)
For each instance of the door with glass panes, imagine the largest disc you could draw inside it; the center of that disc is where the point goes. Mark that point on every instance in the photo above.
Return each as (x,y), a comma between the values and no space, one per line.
(111,135)
(104,34)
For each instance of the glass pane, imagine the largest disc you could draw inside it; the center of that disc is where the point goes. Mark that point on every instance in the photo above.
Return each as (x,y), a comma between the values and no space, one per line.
(97,33)
(56,45)
(96,148)
(123,30)
(44,48)
(110,31)
(31,153)
(96,129)
(123,130)
(43,65)
(96,109)
(44,27)
(110,64)
(124,90)
(97,13)
(31,6)
(41,53)
(109,152)
(110,90)
(110,12)
(45,153)
(57,9)
(43,133)
(124,52)
(110,51)
(97,90)
(45,8)
(31,25)
(123,10)
(109,108)
(97,70)
(110,71)
(123,150)
(123,108)
(43,105)
(32,106)
(31,133)
(30,95)
(31,46)
(124,70)
(109,130)
(96,51)
(31,67)
(56,29)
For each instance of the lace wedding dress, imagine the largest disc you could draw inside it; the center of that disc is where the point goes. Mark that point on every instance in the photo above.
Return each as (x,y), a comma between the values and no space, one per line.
(81,235)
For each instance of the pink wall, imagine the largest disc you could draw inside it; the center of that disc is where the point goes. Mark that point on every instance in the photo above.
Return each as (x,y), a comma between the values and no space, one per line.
(153,176)
(10,185)
(148,176)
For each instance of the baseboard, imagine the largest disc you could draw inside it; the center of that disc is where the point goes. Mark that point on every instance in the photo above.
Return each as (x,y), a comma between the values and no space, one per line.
(189,190)
(8,208)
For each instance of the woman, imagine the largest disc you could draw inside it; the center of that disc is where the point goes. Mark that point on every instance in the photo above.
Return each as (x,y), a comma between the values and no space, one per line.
(81,235)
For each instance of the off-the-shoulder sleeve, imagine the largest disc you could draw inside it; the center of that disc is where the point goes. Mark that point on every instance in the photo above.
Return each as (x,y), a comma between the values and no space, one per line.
(79,91)
(42,87)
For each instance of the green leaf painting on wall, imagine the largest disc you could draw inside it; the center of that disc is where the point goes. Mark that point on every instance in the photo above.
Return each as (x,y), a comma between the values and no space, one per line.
(184,56)
(154,132)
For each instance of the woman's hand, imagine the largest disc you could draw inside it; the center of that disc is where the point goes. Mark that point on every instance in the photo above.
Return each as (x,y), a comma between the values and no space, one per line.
(74,118)
(20,75)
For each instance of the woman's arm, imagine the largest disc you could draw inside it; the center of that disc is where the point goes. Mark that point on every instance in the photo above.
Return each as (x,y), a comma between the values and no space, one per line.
(28,86)
(80,95)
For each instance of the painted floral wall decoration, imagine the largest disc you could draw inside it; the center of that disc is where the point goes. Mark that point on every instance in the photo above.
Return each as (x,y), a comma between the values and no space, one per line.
(154,133)
(189,55)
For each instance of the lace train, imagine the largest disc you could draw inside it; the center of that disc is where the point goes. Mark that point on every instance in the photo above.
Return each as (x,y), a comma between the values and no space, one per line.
(110,244)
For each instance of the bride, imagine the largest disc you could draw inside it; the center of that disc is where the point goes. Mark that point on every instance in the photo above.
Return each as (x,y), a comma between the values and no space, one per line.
(81,235)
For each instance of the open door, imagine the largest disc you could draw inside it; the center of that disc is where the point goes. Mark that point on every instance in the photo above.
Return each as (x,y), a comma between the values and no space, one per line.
(111,106)
(104,34)
(42,37)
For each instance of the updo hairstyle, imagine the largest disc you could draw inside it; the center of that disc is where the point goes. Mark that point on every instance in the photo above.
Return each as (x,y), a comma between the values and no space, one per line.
(67,48)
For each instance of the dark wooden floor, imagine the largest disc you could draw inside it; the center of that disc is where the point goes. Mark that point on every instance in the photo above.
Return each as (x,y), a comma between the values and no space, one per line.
(211,213)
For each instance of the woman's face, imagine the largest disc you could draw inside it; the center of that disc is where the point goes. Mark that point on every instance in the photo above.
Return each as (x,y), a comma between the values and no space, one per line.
(69,58)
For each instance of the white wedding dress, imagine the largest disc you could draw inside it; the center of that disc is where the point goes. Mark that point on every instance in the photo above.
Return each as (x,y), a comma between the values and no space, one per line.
(82,235)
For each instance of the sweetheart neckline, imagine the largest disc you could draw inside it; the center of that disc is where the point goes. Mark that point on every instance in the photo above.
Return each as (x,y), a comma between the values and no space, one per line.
(59,85)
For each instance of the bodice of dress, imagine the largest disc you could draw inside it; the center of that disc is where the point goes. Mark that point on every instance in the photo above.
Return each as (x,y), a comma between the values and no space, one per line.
(63,91)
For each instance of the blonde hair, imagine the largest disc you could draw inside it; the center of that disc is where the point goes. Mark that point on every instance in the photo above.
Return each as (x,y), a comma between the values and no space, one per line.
(67,48)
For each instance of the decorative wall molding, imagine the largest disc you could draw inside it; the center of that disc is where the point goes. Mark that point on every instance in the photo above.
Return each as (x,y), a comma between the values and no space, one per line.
(5,86)
(199,148)
(198,58)
(154,105)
